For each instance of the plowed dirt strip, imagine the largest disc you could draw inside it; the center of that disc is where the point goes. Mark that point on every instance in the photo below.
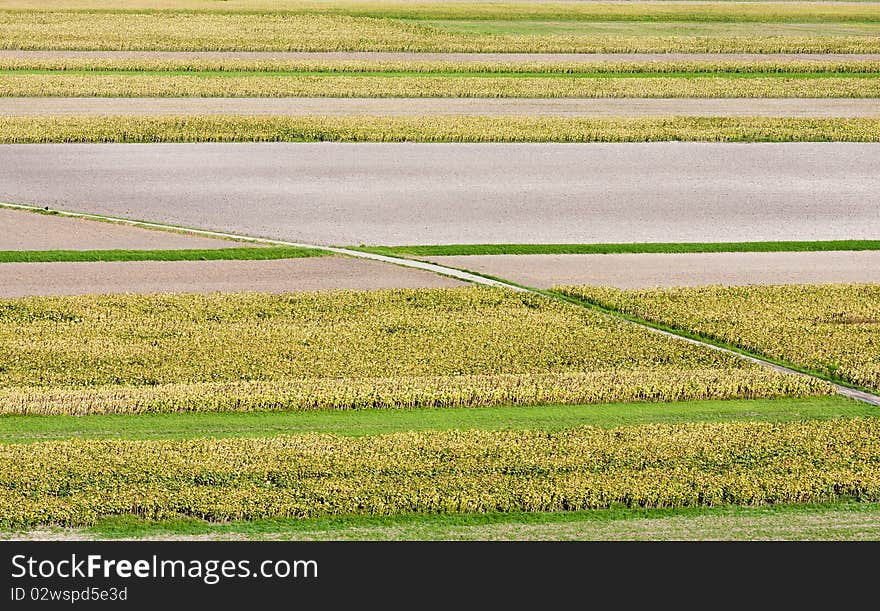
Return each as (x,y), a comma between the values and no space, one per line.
(28,231)
(674,269)
(145,277)
(387,194)
(450,57)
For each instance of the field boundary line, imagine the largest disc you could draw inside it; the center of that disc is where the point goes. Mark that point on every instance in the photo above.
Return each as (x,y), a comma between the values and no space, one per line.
(466,276)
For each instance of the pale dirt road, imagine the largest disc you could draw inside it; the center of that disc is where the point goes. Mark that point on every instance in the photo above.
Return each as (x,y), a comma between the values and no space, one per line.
(635,271)
(349,194)
(21,230)
(417,107)
(435,57)
(146,277)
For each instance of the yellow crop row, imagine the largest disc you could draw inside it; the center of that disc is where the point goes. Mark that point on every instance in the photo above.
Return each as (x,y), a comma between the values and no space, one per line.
(432,129)
(401,348)
(747,463)
(658,384)
(146,63)
(772,12)
(298,32)
(344,86)
(833,329)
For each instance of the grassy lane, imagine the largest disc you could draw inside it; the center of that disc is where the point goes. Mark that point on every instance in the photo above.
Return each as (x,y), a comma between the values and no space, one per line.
(23,130)
(27,429)
(114,85)
(831,521)
(441,250)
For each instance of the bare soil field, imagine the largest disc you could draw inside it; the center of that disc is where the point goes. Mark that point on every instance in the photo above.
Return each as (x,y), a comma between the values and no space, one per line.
(274,276)
(674,269)
(28,231)
(391,194)
(434,57)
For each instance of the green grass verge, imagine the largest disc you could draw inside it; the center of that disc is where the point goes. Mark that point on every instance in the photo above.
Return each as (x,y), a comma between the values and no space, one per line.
(23,130)
(208,254)
(604,249)
(27,429)
(828,521)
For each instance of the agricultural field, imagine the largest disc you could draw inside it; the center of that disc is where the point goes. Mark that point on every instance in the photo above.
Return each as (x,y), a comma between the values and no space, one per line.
(281,269)
(833,329)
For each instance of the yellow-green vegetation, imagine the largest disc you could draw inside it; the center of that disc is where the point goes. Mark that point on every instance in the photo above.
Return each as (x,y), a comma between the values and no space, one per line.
(830,329)
(799,12)
(61,84)
(680,465)
(433,129)
(200,31)
(420,66)
(337,350)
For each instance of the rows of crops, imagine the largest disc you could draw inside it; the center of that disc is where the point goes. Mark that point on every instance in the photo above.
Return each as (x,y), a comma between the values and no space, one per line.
(296,32)
(205,128)
(342,86)
(422,348)
(76,482)
(832,329)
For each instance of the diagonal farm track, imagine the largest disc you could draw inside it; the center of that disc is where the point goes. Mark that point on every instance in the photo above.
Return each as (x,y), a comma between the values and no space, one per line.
(460,274)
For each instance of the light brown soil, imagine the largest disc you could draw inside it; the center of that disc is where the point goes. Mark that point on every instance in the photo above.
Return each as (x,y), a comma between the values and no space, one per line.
(20,230)
(274,276)
(649,270)
(434,57)
(401,107)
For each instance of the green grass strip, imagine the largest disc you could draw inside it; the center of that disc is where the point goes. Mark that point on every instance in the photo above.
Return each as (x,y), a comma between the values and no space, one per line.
(24,130)
(605,249)
(208,254)
(27,429)
(822,521)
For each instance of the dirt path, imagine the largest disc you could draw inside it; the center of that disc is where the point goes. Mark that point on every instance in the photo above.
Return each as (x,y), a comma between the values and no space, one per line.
(651,270)
(402,107)
(434,57)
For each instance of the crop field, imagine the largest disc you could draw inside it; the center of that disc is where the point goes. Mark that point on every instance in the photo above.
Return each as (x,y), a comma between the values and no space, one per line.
(66,84)
(833,329)
(468,412)
(194,31)
(347,350)
(441,472)
(200,128)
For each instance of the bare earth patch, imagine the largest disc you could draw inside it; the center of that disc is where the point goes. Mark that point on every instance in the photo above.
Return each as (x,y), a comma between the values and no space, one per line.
(273,276)
(676,269)
(20,230)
